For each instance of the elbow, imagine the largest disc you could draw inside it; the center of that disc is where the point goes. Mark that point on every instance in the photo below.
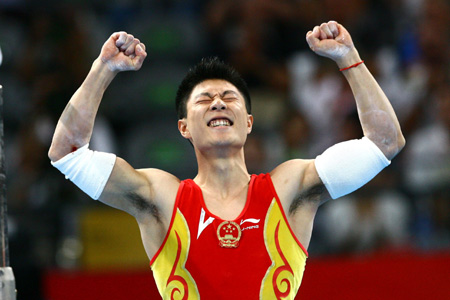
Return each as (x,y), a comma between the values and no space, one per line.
(52,153)
(390,146)
(60,149)
(401,142)
(394,147)
(57,151)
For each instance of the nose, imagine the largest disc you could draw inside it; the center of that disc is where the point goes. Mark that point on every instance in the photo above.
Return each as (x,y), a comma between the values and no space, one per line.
(218,104)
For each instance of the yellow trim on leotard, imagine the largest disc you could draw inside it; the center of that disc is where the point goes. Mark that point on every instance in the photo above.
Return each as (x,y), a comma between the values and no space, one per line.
(284,276)
(172,278)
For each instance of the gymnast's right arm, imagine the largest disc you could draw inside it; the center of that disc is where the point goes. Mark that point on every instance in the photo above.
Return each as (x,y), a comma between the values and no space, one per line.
(101,175)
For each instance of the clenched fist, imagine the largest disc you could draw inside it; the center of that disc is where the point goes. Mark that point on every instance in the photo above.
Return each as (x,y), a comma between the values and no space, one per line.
(332,40)
(123,52)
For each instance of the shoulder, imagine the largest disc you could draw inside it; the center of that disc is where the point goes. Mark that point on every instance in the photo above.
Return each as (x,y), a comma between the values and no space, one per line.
(159,176)
(150,183)
(163,186)
(292,172)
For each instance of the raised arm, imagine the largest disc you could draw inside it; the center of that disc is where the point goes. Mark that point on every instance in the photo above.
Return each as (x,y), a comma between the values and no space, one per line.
(303,185)
(121,52)
(378,120)
(101,175)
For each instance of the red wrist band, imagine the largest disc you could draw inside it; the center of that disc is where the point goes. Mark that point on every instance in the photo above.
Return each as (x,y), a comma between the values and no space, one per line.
(352,66)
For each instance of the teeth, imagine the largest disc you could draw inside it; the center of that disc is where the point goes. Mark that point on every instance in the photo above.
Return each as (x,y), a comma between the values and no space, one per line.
(219,122)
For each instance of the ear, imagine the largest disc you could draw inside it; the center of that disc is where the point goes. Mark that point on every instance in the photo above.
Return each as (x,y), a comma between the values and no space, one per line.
(249,123)
(182,127)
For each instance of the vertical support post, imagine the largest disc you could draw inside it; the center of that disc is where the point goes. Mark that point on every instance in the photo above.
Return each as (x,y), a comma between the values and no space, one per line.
(3,222)
(7,282)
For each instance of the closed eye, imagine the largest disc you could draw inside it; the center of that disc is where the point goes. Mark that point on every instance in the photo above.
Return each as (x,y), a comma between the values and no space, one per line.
(204,101)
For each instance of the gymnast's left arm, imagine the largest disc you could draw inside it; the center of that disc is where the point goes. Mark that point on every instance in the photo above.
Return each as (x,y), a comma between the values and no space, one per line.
(345,167)
(378,120)
(303,185)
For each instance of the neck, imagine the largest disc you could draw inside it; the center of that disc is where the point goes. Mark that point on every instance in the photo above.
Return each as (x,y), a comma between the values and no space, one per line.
(222,174)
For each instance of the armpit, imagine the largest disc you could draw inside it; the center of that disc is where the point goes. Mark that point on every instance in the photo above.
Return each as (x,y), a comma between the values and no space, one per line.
(312,194)
(144,206)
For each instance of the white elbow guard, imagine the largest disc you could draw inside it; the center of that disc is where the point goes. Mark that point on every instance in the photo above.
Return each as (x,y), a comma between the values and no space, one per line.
(89,170)
(347,166)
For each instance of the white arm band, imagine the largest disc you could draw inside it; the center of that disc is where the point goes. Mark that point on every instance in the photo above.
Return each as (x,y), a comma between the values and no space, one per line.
(347,166)
(89,170)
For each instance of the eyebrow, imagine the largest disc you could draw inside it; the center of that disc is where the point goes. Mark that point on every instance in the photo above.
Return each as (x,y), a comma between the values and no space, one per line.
(229,92)
(209,95)
(203,94)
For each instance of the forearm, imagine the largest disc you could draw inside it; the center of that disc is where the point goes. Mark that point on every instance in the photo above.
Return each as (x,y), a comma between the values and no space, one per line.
(377,117)
(74,128)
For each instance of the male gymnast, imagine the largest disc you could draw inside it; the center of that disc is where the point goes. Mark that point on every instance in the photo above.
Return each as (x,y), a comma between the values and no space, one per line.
(226,234)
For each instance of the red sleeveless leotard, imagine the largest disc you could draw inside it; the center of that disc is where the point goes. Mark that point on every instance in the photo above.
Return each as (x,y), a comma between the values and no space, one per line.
(267,263)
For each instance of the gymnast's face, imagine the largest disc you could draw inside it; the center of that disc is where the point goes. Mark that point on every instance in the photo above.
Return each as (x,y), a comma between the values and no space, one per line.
(216,116)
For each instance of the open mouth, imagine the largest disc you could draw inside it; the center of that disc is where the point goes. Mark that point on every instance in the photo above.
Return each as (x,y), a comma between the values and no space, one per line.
(220,122)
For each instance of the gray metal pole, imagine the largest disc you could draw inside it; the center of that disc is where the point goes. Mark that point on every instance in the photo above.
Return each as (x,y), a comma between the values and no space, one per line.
(7,281)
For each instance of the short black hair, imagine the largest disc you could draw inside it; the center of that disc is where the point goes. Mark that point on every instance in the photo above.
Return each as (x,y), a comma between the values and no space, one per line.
(209,68)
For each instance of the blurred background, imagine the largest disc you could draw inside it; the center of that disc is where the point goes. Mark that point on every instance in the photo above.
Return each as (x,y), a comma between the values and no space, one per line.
(302,105)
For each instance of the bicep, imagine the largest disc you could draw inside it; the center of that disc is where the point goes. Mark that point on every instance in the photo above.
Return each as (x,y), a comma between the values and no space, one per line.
(123,181)
(134,192)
